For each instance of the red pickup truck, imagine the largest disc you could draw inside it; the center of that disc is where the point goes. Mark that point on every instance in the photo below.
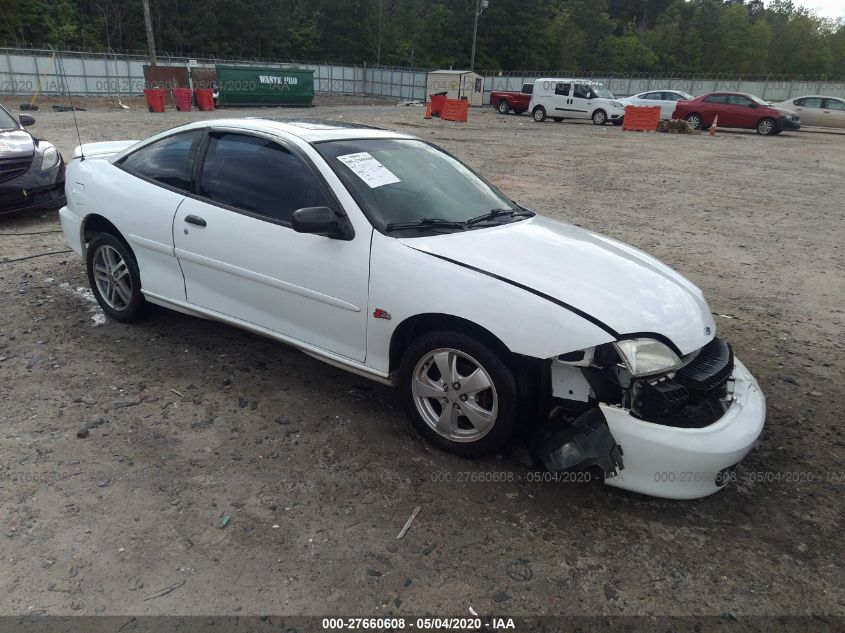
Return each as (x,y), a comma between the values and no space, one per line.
(505,101)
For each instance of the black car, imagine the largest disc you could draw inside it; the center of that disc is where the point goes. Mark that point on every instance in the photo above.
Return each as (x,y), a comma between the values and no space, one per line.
(32,171)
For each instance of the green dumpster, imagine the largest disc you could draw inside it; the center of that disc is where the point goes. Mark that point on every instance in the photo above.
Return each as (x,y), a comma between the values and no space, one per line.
(254,85)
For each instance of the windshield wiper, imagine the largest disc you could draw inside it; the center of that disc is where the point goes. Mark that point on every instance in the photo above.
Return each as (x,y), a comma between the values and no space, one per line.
(496,213)
(425,223)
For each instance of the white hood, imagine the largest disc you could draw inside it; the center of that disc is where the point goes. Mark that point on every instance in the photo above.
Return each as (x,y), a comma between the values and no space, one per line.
(625,289)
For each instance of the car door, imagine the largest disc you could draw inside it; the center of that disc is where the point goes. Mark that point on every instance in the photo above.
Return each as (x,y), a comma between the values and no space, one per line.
(669,103)
(712,106)
(562,100)
(580,101)
(242,259)
(833,111)
(743,112)
(810,110)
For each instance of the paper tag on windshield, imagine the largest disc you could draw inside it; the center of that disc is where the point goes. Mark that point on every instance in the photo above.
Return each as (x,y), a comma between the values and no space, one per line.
(369,169)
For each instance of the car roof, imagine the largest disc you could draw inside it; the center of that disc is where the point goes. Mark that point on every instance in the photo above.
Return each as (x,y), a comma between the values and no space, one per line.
(309,130)
(664,90)
(729,92)
(588,82)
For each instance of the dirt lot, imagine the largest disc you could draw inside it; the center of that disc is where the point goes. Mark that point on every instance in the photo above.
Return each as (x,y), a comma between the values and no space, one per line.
(318,469)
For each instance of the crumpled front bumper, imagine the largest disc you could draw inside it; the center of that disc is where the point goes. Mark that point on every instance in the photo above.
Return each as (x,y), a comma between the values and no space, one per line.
(787,123)
(688,463)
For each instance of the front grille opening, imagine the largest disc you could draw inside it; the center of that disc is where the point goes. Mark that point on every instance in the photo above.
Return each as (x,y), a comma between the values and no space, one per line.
(13,167)
(695,397)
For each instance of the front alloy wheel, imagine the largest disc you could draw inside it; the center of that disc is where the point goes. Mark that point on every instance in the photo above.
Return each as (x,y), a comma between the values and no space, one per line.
(114,278)
(767,127)
(111,275)
(599,117)
(459,393)
(455,395)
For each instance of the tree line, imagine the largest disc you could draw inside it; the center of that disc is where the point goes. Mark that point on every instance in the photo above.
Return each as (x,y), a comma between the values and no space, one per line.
(726,37)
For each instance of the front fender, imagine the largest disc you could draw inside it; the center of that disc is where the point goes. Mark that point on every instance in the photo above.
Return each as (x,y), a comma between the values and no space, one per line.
(405,282)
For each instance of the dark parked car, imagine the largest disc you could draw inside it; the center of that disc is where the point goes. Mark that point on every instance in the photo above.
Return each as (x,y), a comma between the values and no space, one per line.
(32,172)
(736,109)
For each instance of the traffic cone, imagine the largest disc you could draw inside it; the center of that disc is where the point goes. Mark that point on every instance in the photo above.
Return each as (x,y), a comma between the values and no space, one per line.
(427,110)
(713,126)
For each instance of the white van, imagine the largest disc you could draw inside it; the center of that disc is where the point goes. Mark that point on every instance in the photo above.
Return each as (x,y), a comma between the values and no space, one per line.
(561,99)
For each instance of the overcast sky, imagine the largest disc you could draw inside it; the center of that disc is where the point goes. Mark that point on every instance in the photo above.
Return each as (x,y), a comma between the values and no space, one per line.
(825,8)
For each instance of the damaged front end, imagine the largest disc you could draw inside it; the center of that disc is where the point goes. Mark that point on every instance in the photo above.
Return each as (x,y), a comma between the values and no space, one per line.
(637,398)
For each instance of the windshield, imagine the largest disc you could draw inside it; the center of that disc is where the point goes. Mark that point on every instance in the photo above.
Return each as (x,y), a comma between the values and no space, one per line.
(7,120)
(399,181)
(603,93)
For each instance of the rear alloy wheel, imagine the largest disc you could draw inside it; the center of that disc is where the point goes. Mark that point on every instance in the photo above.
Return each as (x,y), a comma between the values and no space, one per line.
(114,278)
(767,127)
(695,121)
(503,107)
(459,394)
(599,117)
(539,114)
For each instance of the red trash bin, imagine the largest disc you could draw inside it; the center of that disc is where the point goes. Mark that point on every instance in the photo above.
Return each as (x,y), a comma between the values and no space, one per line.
(155,99)
(182,96)
(437,103)
(205,99)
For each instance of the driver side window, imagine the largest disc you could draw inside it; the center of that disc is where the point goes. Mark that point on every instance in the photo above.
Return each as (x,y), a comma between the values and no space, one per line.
(582,91)
(259,176)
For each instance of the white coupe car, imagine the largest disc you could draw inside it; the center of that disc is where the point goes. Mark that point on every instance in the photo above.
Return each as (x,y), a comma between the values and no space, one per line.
(379,253)
(665,99)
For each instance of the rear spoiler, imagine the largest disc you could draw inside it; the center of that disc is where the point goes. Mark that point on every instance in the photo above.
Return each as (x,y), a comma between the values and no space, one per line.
(101,150)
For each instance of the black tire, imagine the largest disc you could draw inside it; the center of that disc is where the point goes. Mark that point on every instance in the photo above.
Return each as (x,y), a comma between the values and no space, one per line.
(767,126)
(136,307)
(539,114)
(557,119)
(504,392)
(503,107)
(695,120)
(618,122)
(599,117)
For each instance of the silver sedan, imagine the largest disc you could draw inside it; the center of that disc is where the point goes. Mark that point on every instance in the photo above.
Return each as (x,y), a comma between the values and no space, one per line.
(816,110)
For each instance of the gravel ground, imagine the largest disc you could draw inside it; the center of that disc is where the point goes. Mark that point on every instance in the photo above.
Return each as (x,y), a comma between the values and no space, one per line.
(191,421)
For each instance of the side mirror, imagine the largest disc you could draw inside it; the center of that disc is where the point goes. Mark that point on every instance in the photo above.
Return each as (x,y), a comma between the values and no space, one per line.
(26,120)
(752,105)
(323,221)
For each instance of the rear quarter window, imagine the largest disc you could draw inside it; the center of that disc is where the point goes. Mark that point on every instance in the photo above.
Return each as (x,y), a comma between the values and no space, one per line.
(168,161)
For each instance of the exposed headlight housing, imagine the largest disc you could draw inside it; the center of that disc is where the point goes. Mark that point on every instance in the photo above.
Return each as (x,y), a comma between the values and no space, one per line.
(617,104)
(646,356)
(50,157)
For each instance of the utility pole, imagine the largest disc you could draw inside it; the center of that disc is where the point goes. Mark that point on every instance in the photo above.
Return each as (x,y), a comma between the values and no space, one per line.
(479,7)
(378,49)
(151,44)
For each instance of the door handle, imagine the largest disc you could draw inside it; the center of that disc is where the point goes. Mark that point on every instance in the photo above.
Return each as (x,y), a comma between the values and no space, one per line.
(194,219)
